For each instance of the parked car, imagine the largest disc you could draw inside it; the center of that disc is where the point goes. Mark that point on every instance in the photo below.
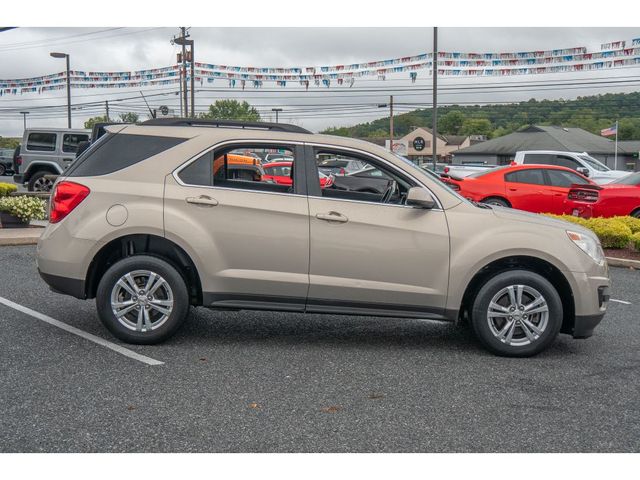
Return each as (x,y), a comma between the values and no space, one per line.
(280,173)
(582,163)
(440,167)
(618,198)
(152,232)
(534,188)
(339,166)
(461,170)
(46,152)
(6,161)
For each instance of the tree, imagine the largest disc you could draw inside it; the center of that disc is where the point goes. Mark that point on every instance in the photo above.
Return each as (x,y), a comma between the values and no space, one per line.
(92,121)
(451,122)
(476,126)
(129,117)
(232,110)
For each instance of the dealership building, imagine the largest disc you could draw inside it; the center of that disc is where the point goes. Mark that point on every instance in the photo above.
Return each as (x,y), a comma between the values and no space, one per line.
(502,150)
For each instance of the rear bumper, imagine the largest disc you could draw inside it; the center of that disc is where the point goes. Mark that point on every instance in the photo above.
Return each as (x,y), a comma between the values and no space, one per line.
(18,178)
(66,286)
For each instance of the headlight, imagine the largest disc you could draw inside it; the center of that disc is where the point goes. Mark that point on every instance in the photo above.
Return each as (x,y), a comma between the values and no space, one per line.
(588,245)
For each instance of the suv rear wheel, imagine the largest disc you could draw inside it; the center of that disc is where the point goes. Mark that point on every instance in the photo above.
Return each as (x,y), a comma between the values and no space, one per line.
(517,313)
(38,182)
(142,299)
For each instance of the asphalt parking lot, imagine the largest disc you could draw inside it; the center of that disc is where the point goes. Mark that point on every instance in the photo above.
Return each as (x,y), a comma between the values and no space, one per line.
(274,382)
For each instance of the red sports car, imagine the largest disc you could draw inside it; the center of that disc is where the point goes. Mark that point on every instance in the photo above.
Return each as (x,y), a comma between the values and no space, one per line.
(280,173)
(534,188)
(618,198)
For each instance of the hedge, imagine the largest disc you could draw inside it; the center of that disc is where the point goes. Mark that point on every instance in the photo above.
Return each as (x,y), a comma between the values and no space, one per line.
(635,241)
(613,232)
(7,189)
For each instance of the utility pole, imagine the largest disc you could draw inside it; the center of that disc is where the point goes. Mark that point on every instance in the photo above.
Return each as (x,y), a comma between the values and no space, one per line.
(106,109)
(24,118)
(434,131)
(391,122)
(182,58)
(276,110)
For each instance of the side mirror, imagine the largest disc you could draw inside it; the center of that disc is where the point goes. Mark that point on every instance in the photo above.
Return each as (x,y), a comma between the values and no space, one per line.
(583,170)
(419,197)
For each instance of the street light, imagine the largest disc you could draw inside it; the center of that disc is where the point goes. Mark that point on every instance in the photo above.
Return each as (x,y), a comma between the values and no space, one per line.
(24,118)
(66,56)
(276,110)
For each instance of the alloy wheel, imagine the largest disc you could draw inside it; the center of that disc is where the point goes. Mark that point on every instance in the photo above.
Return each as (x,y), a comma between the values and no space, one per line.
(142,300)
(518,315)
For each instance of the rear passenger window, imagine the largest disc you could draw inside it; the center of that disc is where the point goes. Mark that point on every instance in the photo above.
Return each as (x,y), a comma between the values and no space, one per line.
(258,167)
(539,158)
(41,142)
(70,141)
(117,151)
(533,176)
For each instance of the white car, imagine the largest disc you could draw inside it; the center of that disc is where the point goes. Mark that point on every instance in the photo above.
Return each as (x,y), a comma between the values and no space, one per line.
(580,162)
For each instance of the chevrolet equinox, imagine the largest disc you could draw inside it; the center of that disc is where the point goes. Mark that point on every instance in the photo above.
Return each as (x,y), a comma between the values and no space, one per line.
(154,218)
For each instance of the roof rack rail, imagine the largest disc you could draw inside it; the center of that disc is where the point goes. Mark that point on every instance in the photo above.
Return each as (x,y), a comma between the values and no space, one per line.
(202,122)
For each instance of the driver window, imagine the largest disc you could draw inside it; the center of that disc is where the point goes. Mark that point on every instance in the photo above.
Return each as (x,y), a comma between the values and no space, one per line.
(344,176)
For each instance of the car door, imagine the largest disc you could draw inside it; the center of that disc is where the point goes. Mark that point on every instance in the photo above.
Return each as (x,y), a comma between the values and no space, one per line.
(560,182)
(251,237)
(368,256)
(527,189)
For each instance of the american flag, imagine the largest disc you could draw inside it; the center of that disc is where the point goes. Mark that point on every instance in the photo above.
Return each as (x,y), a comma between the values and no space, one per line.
(612,130)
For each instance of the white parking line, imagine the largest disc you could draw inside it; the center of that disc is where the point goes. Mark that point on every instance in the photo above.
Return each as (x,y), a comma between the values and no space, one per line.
(76,331)
(619,301)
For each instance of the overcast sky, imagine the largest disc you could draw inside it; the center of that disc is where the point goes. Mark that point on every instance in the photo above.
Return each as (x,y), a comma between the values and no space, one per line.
(24,52)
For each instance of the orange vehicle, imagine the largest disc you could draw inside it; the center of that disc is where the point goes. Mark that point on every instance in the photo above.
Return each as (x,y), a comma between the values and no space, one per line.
(241,167)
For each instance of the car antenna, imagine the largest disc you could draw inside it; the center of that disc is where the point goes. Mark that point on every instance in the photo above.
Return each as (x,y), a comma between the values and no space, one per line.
(152,112)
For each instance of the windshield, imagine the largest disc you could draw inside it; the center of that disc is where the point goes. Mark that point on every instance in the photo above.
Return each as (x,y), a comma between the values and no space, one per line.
(631,179)
(593,163)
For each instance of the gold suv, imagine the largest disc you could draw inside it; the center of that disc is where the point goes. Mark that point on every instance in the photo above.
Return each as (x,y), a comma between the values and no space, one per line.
(158,217)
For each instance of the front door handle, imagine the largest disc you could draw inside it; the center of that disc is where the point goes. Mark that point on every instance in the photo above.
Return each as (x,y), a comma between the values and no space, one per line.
(332,217)
(202,200)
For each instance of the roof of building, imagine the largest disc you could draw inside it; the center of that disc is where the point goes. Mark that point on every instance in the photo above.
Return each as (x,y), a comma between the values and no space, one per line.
(455,139)
(630,146)
(536,137)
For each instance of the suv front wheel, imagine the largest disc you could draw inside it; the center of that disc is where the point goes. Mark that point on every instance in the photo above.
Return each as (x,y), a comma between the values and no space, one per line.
(517,313)
(142,300)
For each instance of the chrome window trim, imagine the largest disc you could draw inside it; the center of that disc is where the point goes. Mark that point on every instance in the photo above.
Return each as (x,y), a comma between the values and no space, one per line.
(387,163)
(195,157)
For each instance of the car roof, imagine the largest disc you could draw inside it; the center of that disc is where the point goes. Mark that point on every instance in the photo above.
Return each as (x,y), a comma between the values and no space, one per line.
(278,164)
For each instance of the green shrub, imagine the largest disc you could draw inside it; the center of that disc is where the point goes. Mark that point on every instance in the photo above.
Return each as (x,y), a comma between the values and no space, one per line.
(24,207)
(631,222)
(569,218)
(635,241)
(7,189)
(611,232)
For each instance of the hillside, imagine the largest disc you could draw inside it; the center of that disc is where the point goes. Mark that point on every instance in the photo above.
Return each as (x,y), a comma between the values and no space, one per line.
(592,113)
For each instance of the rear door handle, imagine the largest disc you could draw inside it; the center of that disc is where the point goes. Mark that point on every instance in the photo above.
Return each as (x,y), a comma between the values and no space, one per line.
(202,200)
(332,217)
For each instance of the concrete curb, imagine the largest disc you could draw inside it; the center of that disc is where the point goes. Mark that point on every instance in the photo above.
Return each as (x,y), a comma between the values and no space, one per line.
(10,242)
(623,262)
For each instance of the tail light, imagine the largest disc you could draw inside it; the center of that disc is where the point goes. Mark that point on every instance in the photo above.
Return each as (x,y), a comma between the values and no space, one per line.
(446,169)
(583,195)
(18,160)
(342,171)
(65,197)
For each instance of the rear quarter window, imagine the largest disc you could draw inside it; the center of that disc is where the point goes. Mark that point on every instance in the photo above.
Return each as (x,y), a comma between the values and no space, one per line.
(117,151)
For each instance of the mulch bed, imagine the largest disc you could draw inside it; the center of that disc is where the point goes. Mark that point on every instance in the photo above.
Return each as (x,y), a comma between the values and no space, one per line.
(625,253)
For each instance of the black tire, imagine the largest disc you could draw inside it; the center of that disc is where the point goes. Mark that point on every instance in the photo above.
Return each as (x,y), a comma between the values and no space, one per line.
(3,170)
(534,283)
(169,274)
(636,213)
(37,179)
(496,201)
